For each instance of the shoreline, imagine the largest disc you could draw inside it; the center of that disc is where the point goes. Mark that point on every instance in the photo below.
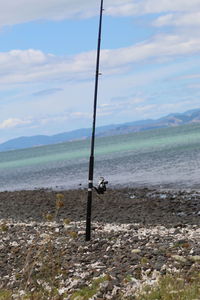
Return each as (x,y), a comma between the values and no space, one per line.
(164,186)
(127,205)
(138,235)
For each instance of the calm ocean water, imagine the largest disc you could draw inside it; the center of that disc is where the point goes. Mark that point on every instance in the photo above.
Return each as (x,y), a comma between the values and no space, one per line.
(166,158)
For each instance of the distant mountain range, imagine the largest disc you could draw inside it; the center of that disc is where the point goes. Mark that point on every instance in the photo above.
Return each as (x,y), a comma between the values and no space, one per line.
(177,119)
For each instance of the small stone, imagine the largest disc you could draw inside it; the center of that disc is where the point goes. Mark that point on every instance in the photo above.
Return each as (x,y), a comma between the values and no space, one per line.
(195,258)
(136,251)
(179,258)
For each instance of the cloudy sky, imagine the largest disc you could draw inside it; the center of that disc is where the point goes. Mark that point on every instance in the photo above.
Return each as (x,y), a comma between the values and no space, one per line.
(149,62)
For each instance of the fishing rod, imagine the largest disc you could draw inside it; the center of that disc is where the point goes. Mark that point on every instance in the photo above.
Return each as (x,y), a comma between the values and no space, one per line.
(91,161)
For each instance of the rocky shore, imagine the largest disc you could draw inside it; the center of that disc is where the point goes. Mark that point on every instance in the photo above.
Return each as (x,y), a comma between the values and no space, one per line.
(137,235)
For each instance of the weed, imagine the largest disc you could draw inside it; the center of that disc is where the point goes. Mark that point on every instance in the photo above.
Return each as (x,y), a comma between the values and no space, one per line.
(144,261)
(3,227)
(89,291)
(38,280)
(5,294)
(173,287)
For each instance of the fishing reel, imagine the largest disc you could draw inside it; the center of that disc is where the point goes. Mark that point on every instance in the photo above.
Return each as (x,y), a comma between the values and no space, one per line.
(101,188)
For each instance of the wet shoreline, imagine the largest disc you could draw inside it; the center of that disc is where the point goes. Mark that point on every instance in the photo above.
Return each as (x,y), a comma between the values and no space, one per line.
(127,205)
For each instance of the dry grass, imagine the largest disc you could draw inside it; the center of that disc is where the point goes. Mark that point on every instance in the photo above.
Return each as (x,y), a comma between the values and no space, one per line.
(174,287)
(43,265)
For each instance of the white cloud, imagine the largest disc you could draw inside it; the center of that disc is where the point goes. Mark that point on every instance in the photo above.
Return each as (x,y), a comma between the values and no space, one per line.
(60,118)
(13,122)
(80,115)
(16,58)
(132,8)
(185,19)
(22,66)
(44,70)
(20,11)
(36,122)
(25,66)
(18,66)
(117,107)
(145,108)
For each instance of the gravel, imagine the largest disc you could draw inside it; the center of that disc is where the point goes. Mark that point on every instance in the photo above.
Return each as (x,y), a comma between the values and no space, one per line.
(137,235)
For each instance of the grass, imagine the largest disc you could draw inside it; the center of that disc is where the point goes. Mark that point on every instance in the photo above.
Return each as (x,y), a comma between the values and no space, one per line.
(169,287)
(40,295)
(89,291)
(174,287)
(5,294)
(42,265)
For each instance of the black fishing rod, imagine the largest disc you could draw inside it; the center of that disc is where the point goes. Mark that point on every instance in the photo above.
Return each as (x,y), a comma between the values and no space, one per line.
(91,161)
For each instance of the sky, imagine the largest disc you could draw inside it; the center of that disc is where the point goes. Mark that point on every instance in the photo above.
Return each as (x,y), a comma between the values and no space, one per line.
(150,63)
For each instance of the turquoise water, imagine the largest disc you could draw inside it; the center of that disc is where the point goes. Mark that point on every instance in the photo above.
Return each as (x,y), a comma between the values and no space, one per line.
(164,157)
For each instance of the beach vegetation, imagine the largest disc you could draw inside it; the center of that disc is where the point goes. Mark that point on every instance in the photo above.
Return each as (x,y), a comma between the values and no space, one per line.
(5,294)
(87,292)
(38,279)
(3,227)
(173,287)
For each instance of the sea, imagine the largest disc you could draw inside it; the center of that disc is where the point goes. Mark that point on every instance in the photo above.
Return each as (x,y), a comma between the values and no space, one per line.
(162,158)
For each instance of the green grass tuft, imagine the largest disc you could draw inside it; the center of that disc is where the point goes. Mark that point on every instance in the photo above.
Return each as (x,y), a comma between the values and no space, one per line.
(5,295)
(89,291)
(173,287)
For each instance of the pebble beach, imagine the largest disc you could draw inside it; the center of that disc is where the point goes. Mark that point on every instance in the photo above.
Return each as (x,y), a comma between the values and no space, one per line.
(138,235)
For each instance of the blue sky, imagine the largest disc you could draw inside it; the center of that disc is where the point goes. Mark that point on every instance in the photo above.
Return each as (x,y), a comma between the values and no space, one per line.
(149,62)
